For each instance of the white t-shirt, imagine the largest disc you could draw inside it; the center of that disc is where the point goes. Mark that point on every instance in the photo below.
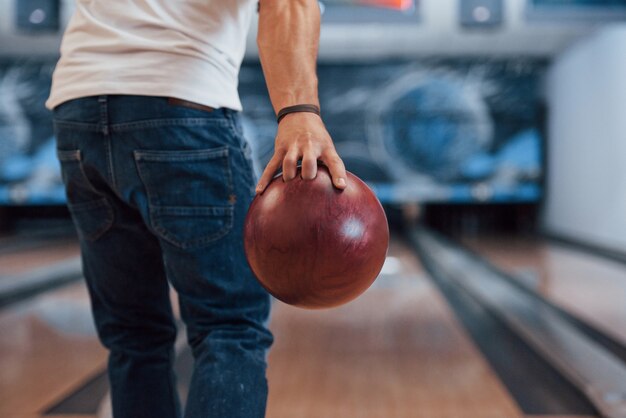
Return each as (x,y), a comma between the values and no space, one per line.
(188,49)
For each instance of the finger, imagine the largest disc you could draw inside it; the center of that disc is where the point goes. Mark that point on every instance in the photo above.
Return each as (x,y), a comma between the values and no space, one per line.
(290,163)
(336,168)
(309,165)
(269,171)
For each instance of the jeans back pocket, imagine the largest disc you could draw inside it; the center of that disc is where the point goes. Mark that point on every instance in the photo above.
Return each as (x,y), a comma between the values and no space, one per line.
(91,211)
(190,194)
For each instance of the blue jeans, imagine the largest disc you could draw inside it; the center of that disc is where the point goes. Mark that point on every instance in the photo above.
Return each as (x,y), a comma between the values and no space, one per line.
(158,193)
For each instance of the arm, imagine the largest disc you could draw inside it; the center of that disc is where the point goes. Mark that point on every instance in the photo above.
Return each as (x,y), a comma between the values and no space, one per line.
(288,40)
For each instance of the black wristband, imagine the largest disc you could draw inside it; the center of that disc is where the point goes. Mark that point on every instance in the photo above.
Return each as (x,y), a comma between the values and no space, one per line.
(297,108)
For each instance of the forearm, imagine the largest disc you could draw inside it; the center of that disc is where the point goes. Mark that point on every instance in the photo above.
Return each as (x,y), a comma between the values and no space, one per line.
(288,40)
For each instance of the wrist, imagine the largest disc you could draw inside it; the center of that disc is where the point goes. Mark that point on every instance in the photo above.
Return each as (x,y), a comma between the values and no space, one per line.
(299,108)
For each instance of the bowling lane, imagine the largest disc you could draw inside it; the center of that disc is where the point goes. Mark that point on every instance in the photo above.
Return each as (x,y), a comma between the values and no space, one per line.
(22,260)
(48,347)
(588,286)
(397,351)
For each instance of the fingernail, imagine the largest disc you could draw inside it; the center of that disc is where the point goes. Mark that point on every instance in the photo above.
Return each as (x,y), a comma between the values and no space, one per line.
(341,182)
(258,188)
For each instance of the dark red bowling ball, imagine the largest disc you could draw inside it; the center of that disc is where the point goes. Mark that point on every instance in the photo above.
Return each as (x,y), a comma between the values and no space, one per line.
(312,245)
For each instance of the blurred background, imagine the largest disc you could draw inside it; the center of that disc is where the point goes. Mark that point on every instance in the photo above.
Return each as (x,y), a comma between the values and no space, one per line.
(494,134)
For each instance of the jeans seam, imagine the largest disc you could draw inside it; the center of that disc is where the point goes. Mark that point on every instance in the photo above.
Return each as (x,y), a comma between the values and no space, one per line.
(104,123)
(156,123)
(236,130)
(104,115)
(245,149)
(110,168)
(82,126)
(148,194)
(229,173)
(231,124)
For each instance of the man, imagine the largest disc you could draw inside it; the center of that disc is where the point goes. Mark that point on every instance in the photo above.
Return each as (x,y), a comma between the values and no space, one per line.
(158,180)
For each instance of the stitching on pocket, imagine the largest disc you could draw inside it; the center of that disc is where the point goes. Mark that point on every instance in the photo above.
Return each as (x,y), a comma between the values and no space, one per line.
(226,213)
(103,203)
(193,210)
(76,156)
(157,211)
(184,155)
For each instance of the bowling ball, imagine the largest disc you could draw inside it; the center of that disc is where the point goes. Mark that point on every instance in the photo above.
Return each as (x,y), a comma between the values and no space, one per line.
(312,245)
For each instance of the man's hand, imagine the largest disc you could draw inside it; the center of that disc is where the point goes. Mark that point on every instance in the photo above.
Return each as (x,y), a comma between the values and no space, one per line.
(302,136)
(288,41)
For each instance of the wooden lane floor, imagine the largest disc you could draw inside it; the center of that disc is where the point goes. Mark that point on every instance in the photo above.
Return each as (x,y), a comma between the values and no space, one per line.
(48,348)
(588,286)
(16,262)
(397,351)
(554,416)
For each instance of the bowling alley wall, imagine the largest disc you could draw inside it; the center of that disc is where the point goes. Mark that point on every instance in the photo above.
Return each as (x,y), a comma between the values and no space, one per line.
(586,180)
(440,102)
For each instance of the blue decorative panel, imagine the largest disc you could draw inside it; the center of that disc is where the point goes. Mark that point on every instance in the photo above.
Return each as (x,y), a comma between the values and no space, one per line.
(435,131)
